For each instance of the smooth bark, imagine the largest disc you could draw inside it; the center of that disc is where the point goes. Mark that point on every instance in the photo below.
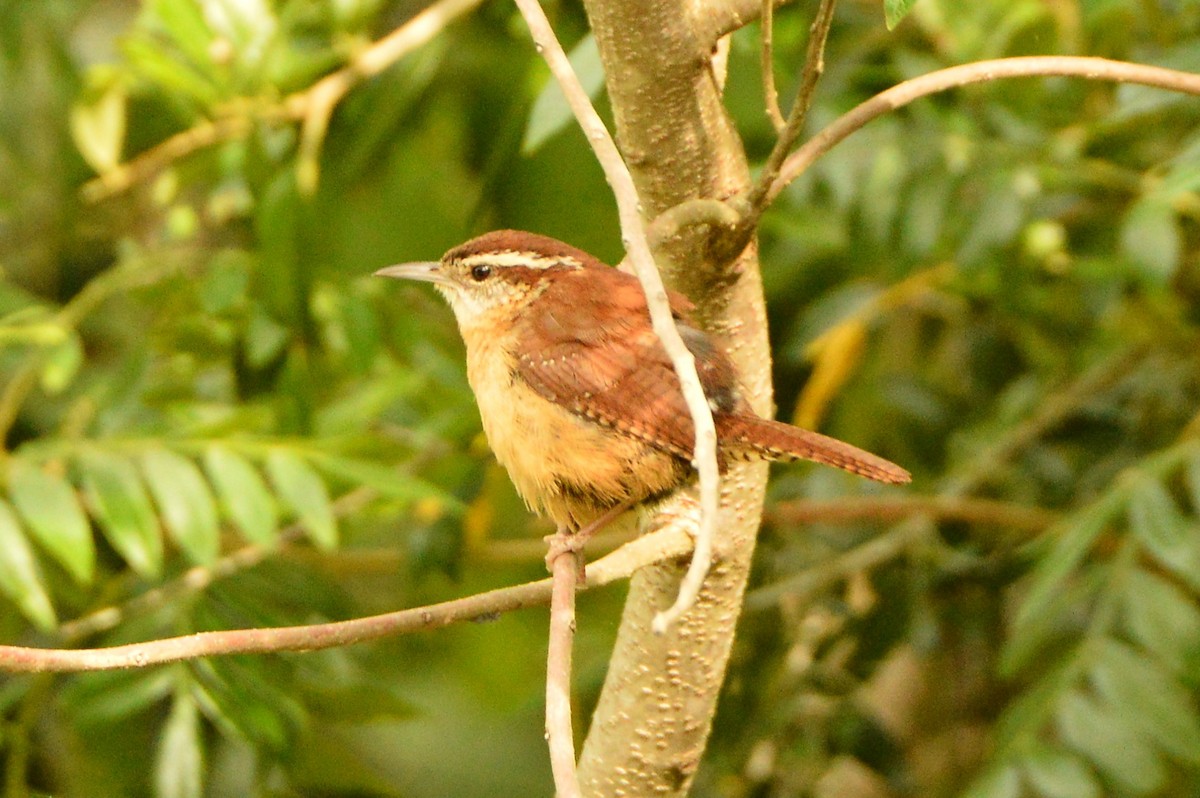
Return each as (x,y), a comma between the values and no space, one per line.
(655,712)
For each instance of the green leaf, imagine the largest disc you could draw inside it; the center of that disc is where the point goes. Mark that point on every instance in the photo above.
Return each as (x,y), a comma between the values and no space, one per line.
(1107,739)
(1041,632)
(98,126)
(247,24)
(1059,774)
(20,577)
(188,508)
(169,74)
(363,335)
(1150,698)
(304,491)
(1024,718)
(1192,474)
(1150,238)
(896,10)
(61,365)
(550,112)
(226,280)
(1156,521)
(1073,538)
(243,493)
(1000,782)
(357,703)
(386,480)
(1161,618)
(265,339)
(243,701)
(49,506)
(107,697)
(179,769)
(184,21)
(118,499)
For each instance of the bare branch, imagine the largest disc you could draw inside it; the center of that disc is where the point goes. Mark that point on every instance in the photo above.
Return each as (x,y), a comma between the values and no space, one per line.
(667,544)
(633,233)
(981,71)
(810,75)
(917,514)
(559,731)
(897,508)
(673,221)
(314,105)
(718,18)
(770,93)
(874,552)
(681,145)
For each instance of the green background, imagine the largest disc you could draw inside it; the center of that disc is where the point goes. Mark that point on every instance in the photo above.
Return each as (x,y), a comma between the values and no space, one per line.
(997,288)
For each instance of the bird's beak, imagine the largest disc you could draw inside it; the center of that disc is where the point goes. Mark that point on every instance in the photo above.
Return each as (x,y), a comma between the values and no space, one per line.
(426,272)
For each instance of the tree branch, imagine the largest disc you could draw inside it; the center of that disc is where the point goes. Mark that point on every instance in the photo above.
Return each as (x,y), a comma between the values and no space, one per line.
(767,58)
(680,145)
(810,75)
(716,19)
(876,551)
(633,234)
(559,731)
(981,71)
(667,544)
(897,508)
(314,106)
(199,577)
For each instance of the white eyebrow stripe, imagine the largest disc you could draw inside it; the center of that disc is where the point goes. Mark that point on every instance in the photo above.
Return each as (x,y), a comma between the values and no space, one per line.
(530,260)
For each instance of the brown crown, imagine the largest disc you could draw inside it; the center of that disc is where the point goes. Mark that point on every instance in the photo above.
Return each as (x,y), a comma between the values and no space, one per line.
(519,241)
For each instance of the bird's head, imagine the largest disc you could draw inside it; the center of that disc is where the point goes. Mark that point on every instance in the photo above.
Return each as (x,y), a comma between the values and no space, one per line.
(497,274)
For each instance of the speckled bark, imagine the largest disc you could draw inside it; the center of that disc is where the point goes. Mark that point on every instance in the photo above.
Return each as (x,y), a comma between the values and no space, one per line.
(650,727)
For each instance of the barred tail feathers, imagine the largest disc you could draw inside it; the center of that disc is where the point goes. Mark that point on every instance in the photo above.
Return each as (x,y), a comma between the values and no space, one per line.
(752,437)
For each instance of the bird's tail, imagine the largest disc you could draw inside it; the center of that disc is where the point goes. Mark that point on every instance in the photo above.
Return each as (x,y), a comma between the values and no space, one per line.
(750,437)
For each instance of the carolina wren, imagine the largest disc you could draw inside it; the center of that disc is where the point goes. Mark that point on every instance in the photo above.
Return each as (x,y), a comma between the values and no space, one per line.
(579,399)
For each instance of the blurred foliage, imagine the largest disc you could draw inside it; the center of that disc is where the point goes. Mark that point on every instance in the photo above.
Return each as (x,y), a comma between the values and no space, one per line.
(996,287)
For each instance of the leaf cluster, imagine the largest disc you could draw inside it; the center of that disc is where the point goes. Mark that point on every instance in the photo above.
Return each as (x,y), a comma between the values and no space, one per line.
(998,285)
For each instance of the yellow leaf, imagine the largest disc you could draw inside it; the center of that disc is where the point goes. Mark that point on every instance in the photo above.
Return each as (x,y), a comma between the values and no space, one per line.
(98,128)
(837,354)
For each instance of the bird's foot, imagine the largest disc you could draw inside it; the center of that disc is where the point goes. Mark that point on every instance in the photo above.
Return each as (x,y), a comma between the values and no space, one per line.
(564,541)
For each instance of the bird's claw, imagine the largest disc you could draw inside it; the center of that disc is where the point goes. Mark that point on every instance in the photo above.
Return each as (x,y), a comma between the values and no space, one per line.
(563,542)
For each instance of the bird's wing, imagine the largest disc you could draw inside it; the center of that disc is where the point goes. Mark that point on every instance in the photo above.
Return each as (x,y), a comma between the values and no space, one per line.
(604,362)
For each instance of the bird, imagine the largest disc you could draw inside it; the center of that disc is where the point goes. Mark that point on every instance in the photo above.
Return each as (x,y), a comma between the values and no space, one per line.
(578,398)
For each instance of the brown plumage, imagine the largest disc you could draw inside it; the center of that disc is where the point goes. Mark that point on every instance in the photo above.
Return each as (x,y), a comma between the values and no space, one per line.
(579,399)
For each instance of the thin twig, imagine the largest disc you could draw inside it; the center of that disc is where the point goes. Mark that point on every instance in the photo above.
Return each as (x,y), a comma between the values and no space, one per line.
(313,105)
(814,66)
(633,234)
(200,577)
(770,93)
(559,731)
(692,213)
(896,508)
(981,71)
(875,551)
(920,512)
(666,544)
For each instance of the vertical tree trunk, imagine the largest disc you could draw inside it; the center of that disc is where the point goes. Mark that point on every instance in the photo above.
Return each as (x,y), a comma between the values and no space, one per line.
(656,709)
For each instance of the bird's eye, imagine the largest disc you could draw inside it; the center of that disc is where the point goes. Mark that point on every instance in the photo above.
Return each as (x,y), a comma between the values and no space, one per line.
(480,272)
